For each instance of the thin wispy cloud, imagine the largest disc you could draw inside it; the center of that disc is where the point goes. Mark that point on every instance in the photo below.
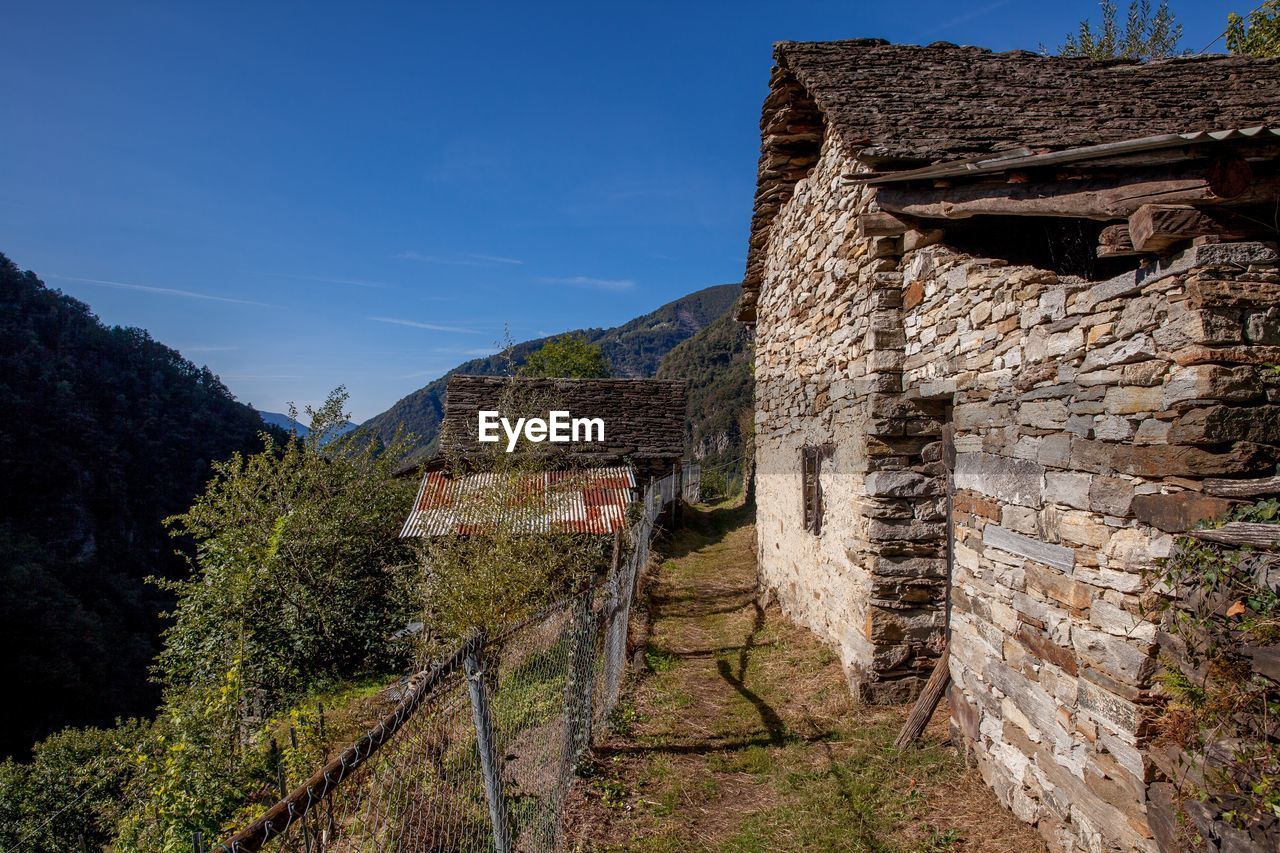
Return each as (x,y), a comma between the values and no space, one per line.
(968,16)
(465,259)
(162,291)
(584,281)
(243,377)
(207,349)
(354,282)
(496,259)
(432,327)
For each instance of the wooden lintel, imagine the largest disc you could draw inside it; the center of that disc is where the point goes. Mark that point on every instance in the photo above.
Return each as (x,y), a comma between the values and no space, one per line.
(1157,227)
(1086,198)
(882,224)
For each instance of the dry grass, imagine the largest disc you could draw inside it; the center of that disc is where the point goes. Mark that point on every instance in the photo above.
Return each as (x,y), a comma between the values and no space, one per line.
(745,738)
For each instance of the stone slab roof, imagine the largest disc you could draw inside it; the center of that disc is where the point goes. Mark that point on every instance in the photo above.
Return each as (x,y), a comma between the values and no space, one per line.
(944,102)
(644,419)
(900,106)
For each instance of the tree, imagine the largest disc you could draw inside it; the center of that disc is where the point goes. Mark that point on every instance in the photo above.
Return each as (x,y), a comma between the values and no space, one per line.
(1145,35)
(1258,34)
(569,356)
(104,433)
(300,581)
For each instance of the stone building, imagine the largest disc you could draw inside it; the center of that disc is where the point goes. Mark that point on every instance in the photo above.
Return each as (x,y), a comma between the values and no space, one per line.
(643,419)
(1011,314)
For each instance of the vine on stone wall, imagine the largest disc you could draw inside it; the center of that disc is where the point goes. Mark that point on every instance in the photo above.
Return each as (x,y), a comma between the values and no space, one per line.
(1221,610)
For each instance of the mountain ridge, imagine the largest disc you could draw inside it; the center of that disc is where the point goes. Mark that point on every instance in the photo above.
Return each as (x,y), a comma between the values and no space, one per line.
(288,424)
(634,349)
(106,433)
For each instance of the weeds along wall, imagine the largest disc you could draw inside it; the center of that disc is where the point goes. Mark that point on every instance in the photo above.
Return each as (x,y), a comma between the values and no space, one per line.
(1084,417)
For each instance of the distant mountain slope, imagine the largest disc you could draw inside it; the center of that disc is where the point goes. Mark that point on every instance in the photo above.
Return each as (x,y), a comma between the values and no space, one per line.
(105,433)
(636,348)
(288,424)
(716,362)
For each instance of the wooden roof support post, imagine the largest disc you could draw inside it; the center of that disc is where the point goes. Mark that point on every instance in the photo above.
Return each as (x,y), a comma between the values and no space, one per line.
(1157,227)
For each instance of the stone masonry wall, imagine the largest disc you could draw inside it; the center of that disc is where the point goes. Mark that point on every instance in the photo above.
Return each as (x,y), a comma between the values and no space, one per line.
(1084,416)
(828,374)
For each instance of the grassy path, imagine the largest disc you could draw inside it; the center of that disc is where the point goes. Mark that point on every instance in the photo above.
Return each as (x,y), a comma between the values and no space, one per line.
(744,736)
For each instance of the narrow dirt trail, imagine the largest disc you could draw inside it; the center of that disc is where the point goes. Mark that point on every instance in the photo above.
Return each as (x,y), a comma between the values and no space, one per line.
(744,736)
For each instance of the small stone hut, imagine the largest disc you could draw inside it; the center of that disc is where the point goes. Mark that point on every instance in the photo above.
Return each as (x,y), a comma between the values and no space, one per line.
(1011,316)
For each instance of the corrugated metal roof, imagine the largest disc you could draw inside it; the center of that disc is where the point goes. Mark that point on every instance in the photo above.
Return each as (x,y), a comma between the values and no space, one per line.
(1022,158)
(588,500)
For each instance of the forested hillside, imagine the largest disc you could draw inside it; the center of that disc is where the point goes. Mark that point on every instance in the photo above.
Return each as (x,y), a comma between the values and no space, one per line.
(635,348)
(103,433)
(716,363)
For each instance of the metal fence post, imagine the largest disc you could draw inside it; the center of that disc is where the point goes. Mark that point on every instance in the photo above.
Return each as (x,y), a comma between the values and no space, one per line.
(580,687)
(489,765)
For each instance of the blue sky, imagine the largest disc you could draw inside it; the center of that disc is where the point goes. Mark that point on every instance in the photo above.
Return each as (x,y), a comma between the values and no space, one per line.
(306,194)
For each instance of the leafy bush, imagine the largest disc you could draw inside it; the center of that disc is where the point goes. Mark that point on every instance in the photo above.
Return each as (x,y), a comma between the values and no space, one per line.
(300,582)
(72,792)
(569,356)
(1144,35)
(508,567)
(1258,33)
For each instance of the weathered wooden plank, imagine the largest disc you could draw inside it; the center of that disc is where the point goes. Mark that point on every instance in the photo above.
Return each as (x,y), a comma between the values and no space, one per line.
(1089,198)
(1057,556)
(925,705)
(1114,242)
(882,224)
(1238,533)
(1242,488)
(1156,227)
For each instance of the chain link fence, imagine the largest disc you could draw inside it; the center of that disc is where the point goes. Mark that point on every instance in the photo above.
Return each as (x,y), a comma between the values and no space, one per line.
(480,751)
(691,482)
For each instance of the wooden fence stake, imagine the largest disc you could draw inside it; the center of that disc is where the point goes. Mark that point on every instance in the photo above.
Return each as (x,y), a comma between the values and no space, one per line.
(923,710)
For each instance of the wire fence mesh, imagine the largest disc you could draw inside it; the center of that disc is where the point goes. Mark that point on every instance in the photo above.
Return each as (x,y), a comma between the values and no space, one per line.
(480,751)
(691,482)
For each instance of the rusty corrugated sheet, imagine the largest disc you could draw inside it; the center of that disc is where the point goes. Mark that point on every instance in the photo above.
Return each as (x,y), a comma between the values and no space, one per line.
(590,500)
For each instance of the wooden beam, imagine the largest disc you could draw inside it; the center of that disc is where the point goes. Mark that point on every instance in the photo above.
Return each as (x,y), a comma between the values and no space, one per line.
(1238,533)
(882,224)
(1114,242)
(1157,227)
(1086,198)
(923,710)
(1242,488)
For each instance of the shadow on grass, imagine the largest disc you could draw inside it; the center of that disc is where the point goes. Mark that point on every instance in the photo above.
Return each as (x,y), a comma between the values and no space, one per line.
(773,723)
(706,526)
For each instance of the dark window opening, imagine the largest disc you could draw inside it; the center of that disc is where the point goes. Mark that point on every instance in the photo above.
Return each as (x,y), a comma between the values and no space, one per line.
(811,487)
(1065,246)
